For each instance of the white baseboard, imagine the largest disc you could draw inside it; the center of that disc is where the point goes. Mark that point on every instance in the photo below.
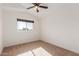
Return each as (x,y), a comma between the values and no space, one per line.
(60,46)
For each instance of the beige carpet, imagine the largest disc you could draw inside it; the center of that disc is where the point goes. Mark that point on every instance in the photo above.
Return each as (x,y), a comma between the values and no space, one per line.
(37,48)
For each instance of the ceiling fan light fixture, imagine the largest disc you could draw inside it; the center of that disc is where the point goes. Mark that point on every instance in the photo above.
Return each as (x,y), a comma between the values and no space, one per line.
(36,6)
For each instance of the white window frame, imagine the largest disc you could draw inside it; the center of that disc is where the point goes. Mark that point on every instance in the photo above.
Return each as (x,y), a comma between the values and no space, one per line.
(27,22)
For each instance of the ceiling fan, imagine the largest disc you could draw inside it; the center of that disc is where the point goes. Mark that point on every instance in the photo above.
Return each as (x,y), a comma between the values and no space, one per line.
(37,5)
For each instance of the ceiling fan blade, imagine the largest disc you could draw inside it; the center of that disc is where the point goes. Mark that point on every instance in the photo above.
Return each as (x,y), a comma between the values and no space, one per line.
(30,7)
(44,7)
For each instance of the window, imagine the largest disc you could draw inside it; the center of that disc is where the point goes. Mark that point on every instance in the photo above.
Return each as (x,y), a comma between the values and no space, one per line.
(25,25)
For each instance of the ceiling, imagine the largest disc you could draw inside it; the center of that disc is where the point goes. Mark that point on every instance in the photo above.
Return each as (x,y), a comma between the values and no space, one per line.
(23,6)
(53,8)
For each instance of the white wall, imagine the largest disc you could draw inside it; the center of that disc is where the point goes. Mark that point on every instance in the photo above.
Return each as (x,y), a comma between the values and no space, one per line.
(11,35)
(60,26)
(0,29)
